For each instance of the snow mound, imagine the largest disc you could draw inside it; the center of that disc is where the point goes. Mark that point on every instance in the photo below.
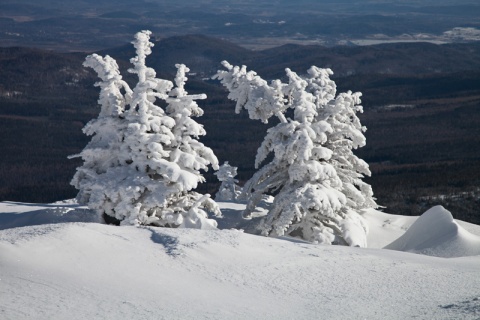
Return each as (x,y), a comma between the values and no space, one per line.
(435,233)
(384,228)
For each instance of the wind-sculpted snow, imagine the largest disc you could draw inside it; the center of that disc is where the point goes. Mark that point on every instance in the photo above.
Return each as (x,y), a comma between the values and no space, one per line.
(435,233)
(95,271)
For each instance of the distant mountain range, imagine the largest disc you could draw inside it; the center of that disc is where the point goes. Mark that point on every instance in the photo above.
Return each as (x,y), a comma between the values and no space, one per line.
(203,55)
(94,25)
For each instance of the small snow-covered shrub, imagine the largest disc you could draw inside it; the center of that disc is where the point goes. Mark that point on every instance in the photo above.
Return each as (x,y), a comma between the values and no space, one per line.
(314,174)
(228,190)
(143,161)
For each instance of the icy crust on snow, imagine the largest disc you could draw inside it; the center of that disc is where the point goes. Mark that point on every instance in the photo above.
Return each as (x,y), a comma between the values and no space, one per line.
(94,271)
(435,233)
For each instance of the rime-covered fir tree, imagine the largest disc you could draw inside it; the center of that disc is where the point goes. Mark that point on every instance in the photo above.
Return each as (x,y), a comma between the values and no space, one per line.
(156,159)
(228,190)
(103,151)
(313,171)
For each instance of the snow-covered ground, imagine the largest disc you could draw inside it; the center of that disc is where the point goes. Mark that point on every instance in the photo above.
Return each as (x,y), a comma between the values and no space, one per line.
(58,262)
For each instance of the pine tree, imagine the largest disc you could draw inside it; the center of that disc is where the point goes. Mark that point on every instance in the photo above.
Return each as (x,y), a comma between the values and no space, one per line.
(313,171)
(157,159)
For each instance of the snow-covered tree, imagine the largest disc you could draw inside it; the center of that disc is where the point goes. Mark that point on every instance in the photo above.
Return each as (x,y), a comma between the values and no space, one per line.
(156,160)
(340,111)
(313,173)
(228,190)
(103,151)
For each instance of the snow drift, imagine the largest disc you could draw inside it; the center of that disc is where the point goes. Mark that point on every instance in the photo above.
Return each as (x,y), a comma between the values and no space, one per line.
(436,233)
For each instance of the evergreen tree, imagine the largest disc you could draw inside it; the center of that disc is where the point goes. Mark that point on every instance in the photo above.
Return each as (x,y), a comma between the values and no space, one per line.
(103,151)
(313,171)
(156,159)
